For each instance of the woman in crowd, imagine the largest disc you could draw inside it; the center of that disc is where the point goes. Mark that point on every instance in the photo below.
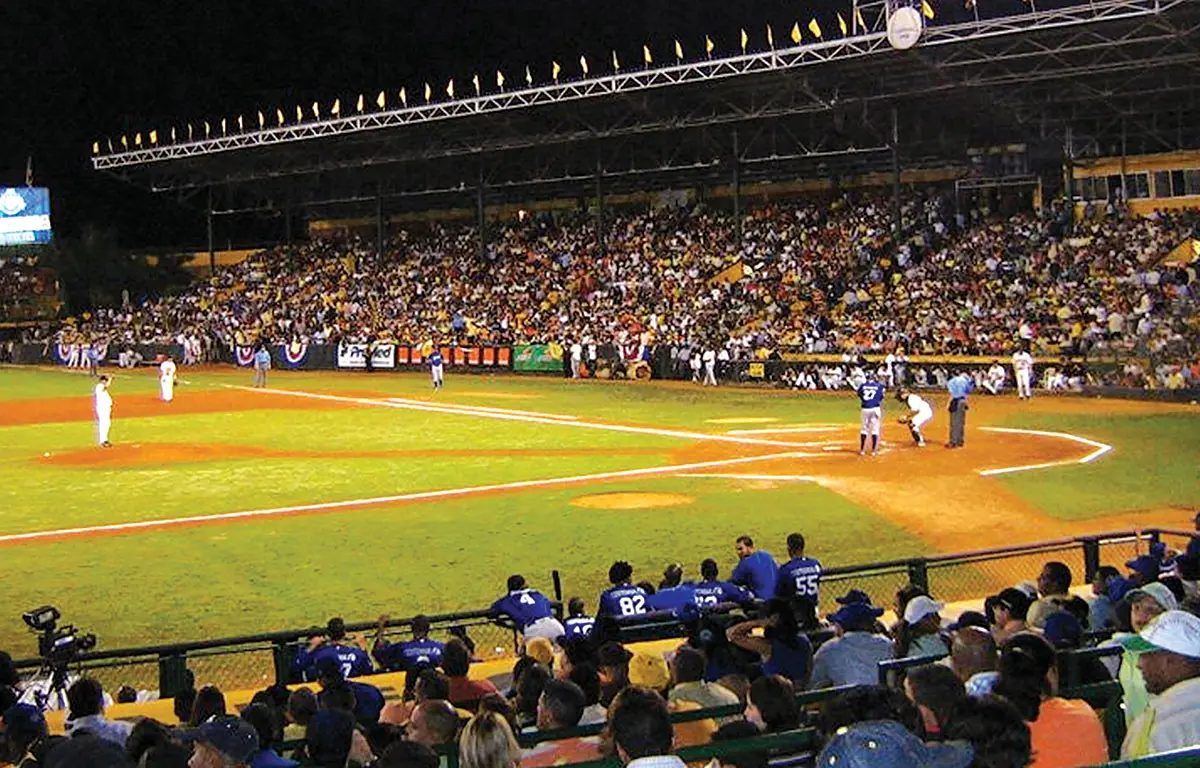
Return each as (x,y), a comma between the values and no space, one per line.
(488,742)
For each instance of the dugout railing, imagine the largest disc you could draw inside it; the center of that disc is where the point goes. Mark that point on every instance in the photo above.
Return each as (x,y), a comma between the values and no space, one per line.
(259,660)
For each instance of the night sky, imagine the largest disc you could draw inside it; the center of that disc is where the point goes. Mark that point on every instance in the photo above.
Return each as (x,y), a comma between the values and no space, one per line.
(80,70)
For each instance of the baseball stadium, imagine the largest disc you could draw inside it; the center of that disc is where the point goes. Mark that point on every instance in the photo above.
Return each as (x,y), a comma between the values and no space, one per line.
(900,299)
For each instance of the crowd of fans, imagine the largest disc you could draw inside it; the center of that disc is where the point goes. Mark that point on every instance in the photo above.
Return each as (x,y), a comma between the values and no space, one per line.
(984,690)
(820,275)
(27,291)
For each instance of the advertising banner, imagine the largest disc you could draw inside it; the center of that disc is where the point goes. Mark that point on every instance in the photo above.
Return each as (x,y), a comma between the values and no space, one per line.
(355,356)
(538,357)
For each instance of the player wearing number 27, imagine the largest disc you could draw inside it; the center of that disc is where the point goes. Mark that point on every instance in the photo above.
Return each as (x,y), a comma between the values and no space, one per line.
(529,609)
(870,396)
(800,577)
(351,660)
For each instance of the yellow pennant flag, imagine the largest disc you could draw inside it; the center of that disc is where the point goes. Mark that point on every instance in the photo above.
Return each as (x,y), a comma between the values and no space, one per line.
(745,39)
(207,129)
(428,93)
(841,24)
(153,137)
(475,82)
(404,97)
(262,119)
(299,114)
(678,51)
(316,110)
(859,21)
(814,27)
(796,33)
(708,45)
(646,54)
(279,115)
(528,76)
(381,99)
(110,146)
(927,9)
(95,147)
(336,109)
(172,138)
(770,38)
(124,142)
(450,88)
(616,63)
(499,79)
(223,129)
(360,102)
(137,139)
(583,64)
(554,70)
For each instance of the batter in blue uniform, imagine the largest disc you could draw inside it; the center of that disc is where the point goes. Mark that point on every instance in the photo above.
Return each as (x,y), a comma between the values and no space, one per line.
(870,396)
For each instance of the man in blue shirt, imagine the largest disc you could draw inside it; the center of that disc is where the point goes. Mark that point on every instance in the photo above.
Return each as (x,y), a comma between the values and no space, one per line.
(411,655)
(800,577)
(577,624)
(870,396)
(959,387)
(262,364)
(529,610)
(622,599)
(436,368)
(711,592)
(756,569)
(349,660)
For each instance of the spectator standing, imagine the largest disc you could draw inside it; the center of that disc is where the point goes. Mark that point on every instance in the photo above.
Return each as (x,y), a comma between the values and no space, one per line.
(959,387)
(529,610)
(1168,651)
(756,570)
(851,658)
(1054,586)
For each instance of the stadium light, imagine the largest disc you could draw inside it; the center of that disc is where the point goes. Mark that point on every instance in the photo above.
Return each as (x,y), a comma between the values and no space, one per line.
(336,109)
(554,70)
(299,114)
(815,28)
(528,76)
(241,124)
(841,24)
(403,97)
(262,120)
(95,147)
(475,82)
(381,100)
(154,137)
(279,115)
(360,103)
(428,93)
(316,109)
(708,46)
(770,38)
(173,139)
(616,62)
(646,57)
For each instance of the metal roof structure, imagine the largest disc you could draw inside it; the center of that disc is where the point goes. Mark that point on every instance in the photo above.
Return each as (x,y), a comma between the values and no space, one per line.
(1084,78)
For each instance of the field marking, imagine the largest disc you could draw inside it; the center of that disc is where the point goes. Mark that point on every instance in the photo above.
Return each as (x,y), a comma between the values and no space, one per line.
(783,430)
(482,408)
(798,478)
(1101,449)
(141,525)
(421,405)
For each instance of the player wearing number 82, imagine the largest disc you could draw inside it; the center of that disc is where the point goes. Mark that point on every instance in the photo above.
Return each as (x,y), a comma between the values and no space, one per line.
(622,598)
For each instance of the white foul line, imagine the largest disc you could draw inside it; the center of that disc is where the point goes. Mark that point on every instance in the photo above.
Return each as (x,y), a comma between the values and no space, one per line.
(420,405)
(481,409)
(781,430)
(419,496)
(798,478)
(1100,450)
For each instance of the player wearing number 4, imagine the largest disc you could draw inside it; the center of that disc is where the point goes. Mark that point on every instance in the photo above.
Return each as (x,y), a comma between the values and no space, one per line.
(529,610)
(799,577)
(920,412)
(622,598)
(870,396)
(351,660)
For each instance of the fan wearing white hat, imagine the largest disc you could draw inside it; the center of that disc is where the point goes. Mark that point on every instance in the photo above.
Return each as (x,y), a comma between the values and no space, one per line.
(920,632)
(1168,650)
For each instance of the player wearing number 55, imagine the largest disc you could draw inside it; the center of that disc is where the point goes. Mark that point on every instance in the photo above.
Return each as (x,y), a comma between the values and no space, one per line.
(622,598)
(351,660)
(800,577)
(529,610)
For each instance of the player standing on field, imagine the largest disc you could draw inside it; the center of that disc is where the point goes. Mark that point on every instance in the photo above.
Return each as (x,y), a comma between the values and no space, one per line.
(870,396)
(920,413)
(1023,368)
(166,380)
(436,368)
(102,402)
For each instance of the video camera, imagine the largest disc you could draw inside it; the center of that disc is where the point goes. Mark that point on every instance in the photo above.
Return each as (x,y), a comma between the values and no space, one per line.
(57,645)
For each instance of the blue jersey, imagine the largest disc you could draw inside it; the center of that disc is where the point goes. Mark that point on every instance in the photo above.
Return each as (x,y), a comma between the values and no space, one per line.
(799,577)
(368,702)
(710,594)
(625,600)
(351,661)
(870,394)
(578,626)
(411,655)
(757,572)
(435,358)
(679,600)
(524,607)
(262,357)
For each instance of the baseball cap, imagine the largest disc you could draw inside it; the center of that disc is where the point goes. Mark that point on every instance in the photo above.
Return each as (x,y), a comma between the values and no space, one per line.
(1063,630)
(1014,600)
(1027,588)
(920,607)
(540,650)
(854,614)
(231,736)
(854,596)
(1158,592)
(969,619)
(1118,588)
(1174,631)
(649,670)
(1144,565)
(24,719)
(878,743)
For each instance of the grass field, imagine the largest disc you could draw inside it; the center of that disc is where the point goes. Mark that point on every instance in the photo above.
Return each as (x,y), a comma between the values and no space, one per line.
(220,450)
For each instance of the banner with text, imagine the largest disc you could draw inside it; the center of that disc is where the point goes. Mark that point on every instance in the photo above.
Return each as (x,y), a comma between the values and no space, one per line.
(355,356)
(538,357)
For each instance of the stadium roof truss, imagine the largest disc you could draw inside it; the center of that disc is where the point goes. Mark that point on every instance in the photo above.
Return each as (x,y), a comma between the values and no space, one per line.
(1091,77)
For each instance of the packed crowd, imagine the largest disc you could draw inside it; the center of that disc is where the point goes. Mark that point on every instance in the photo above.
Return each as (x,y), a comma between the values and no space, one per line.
(982,691)
(812,275)
(27,291)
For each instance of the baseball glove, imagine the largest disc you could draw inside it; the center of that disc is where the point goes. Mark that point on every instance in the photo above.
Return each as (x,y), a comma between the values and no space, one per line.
(902,420)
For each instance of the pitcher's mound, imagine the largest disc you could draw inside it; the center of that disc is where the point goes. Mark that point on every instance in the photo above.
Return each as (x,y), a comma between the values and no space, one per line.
(631,500)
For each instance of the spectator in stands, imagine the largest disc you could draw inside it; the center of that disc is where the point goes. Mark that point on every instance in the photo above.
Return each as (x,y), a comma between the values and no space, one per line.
(1063,733)
(408,754)
(561,706)
(974,658)
(146,734)
(1054,586)
(1144,604)
(853,656)
(24,737)
(266,723)
(87,750)
(994,729)
(85,698)
(869,702)
(1065,633)
(1007,612)
(330,738)
(366,700)
(350,659)
(209,703)
(223,742)
(301,706)
(488,742)
(886,742)
(529,610)
(529,691)
(640,729)
(783,648)
(410,656)
(433,724)
(936,692)
(577,623)
(622,599)
(756,570)
(612,667)
(688,684)
(456,663)
(170,754)
(183,703)
(497,704)
(1168,651)
(771,706)
(127,695)
(1101,608)
(919,634)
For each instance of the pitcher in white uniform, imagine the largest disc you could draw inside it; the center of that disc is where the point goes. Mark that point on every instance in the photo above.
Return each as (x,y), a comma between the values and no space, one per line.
(102,403)
(920,412)
(166,379)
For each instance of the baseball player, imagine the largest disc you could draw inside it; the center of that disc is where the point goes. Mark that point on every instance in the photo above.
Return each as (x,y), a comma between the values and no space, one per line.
(102,403)
(920,412)
(870,396)
(710,368)
(1022,363)
(166,380)
(436,367)
(993,382)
